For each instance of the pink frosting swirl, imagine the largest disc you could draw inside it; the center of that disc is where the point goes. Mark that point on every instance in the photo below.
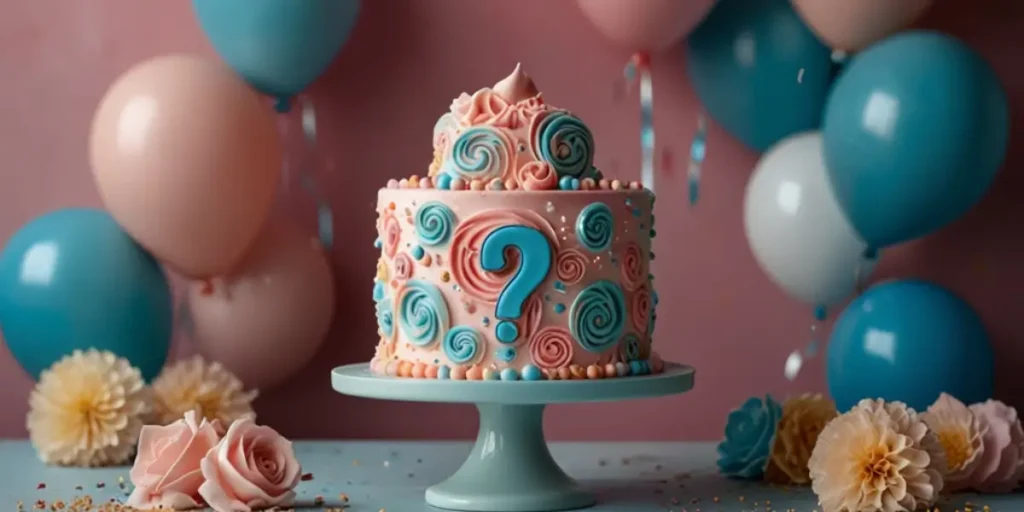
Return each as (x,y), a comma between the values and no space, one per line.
(464,256)
(533,313)
(392,235)
(632,265)
(571,266)
(537,175)
(552,348)
(640,309)
(483,107)
(403,266)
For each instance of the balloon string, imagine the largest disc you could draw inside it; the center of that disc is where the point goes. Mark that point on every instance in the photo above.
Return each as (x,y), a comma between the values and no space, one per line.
(325,217)
(698,150)
(796,360)
(283,132)
(183,315)
(639,67)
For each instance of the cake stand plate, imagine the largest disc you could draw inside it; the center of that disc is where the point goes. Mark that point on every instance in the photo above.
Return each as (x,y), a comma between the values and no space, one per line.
(510,468)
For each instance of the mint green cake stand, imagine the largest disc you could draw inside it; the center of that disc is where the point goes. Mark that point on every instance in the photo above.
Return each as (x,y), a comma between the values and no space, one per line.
(510,468)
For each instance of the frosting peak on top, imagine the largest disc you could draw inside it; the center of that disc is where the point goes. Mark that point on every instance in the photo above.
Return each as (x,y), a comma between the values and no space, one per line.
(507,133)
(516,87)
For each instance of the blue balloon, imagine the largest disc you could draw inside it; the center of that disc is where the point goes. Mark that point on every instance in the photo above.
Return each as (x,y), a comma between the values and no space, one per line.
(73,280)
(278,46)
(909,341)
(914,132)
(759,71)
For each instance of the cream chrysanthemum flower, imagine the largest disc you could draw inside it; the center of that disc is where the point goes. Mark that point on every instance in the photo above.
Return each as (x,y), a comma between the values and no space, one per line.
(960,434)
(803,419)
(87,410)
(878,457)
(209,389)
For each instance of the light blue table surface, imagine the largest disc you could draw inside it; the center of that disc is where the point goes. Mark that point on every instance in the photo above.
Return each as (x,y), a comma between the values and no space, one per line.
(392,476)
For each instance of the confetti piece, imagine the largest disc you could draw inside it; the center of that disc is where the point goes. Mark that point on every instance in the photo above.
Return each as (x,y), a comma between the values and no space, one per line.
(40,485)
(306,477)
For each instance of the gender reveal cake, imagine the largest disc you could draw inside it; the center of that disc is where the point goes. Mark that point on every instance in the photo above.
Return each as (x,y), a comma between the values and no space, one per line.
(514,258)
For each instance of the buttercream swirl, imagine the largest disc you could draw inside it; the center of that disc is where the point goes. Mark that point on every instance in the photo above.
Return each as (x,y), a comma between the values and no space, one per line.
(483,107)
(464,254)
(552,348)
(481,153)
(595,227)
(423,313)
(598,315)
(434,223)
(386,318)
(640,310)
(537,175)
(463,345)
(533,313)
(571,266)
(392,234)
(403,266)
(630,348)
(562,140)
(443,128)
(632,265)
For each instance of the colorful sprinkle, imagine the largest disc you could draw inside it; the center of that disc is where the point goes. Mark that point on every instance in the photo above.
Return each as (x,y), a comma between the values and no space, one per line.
(565,183)
(377,244)
(531,372)
(559,308)
(509,374)
(417,252)
(445,276)
(443,182)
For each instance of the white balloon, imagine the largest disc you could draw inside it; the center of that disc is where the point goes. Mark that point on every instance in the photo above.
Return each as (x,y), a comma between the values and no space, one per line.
(799,235)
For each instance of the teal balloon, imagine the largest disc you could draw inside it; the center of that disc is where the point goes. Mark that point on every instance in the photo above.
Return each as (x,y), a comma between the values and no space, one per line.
(914,131)
(759,71)
(73,280)
(909,341)
(278,46)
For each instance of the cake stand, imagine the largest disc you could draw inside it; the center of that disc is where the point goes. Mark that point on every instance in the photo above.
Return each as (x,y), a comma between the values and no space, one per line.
(510,468)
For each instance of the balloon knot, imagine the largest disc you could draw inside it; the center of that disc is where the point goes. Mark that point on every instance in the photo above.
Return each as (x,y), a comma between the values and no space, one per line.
(642,60)
(206,287)
(283,105)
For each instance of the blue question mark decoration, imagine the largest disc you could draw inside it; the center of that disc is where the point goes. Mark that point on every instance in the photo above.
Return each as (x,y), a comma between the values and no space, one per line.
(535,253)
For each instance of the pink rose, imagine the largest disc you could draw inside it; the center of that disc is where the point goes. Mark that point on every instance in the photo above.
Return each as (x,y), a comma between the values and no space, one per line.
(167,471)
(483,107)
(253,467)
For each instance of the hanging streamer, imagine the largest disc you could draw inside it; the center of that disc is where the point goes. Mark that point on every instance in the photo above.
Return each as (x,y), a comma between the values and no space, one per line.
(325,217)
(698,150)
(640,67)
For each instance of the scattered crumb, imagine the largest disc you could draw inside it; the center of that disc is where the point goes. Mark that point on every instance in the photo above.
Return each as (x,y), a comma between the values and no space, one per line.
(58,505)
(40,505)
(318,500)
(78,487)
(387,463)
(715,499)
(411,475)
(40,485)
(355,462)
(306,477)
(21,505)
(419,461)
(120,482)
(602,462)
(343,497)
(101,485)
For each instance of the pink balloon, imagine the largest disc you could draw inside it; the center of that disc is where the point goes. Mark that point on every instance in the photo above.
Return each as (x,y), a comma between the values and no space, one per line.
(851,25)
(645,25)
(186,157)
(266,320)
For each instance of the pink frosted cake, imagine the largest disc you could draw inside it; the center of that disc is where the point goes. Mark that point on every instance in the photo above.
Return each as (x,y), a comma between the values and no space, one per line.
(514,259)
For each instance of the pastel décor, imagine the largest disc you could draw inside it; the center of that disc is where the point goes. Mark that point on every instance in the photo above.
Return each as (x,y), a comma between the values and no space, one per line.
(852,26)
(749,435)
(534,263)
(645,25)
(267,319)
(194,190)
(73,280)
(166,473)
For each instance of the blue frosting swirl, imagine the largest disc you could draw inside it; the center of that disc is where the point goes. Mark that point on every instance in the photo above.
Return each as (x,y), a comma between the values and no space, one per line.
(566,143)
(631,347)
(434,223)
(598,316)
(749,434)
(595,227)
(385,317)
(463,344)
(479,153)
(423,313)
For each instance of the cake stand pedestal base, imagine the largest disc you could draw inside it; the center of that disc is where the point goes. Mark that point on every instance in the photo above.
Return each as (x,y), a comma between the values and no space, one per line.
(510,468)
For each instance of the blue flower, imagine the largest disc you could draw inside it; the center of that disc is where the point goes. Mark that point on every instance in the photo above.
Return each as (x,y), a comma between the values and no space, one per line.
(749,434)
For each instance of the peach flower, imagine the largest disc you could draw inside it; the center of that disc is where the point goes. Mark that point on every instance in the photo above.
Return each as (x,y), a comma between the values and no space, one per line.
(166,473)
(1002,460)
(803,419)
(878,457)
(253,467)
(960,434)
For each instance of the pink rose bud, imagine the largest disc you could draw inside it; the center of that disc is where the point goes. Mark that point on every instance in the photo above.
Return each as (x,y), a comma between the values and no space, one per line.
(167,470)
(253,467)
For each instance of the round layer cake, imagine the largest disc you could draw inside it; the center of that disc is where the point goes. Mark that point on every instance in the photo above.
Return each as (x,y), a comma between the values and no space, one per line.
(514,258)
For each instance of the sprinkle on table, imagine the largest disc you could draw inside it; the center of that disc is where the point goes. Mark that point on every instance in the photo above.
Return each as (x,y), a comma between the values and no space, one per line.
(318,500)
(306,477)
(40,485)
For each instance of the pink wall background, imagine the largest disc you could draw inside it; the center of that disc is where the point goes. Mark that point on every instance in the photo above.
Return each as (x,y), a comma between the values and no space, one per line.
(377,105)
